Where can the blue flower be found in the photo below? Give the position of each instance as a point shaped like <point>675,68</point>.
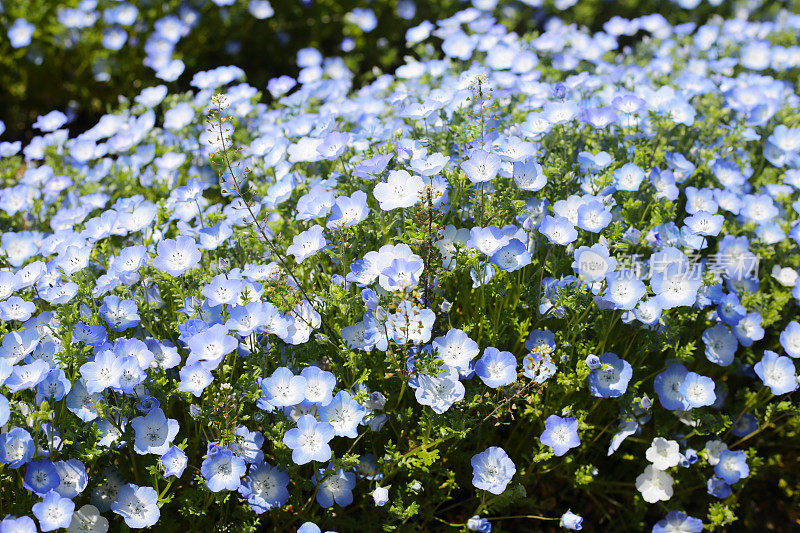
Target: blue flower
<point>280,85</point>
<point>334,145</point>
<point>52,120</point>
<point>748,329</point>
<point>41,477</point>
<point>721,345</point>
<point>593,216</point>
<point>5,410</point>
<point>399,191</point>
<point>307,243</point>
<point>154,432</point>
<point>20,34</point>
<point>492,470</point>
<point>381,496</point>
<point>628,177</point>
<point>570,520</point>
<point>675,286</point>
<point>496,368</point>
<point>264,487</point>
<point>402,274</point>
<point>23,524</point>
<point>512,256</point>
<point>776,372</point>
<point>245,319</point>
<point>441,391</point>
<point>174,462</point>
<point>456,349</point>
<point>611,379</point>
<point>790,339</point>
<point>558,230</point>
<point>529,175</point>
<point>176,256</point>
<point>309,440</point>
<point>137,505</point>
<point>223,289</point>
<point>649,312</point>
<point>16,447</point>
<point>664,183</point>
<point>697,390</point>
<point>369,169</point>
<point>593,263</point>
<point>782,146</point>
<point>209,347</point>
<point>119,314</point>
<point>15,308</point>
<point>705,223</point>
<point>93,335</point>
<point>347,211</point>
<point>732,466</point>
<point>668,387</point>
<point>487,240</point>
<point>628,104</point>
<point>53,512</point>
<point>481,166</point>
<point>689,458</point>
<point>410,324</point>
<point>744,425</point>
<point>319,384</point>
<point>74,478</point>
<point>482,525</point>
<point>538,366</point>
<point>758,208</point>
<point>131,374</point>
<point>309,527</point>
<point>718,488</point>
<point>283,388</point>
<point>223,470</point>
<point>102,373</point>
<point>27,376</point>
<point>335,487</point>
<point>561,112</point>
<point>81,402</point>
<point>560,434</point>
<point>678,521</point>
<point>624,289</point>
<point>194,379</point>
<point>344,414</point>
<point>364,18</point>
<point>458,45</point>
<point>17,344</point>
<point>600,117</point>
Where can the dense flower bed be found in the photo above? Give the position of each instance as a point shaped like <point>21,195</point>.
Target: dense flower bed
<point>524,282</point>
<point>101,50</point>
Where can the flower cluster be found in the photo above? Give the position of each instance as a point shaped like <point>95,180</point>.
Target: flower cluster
<point>410,299</point>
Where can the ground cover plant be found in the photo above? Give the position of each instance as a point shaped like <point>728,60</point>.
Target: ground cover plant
<point>81,57</point>
<point>527,282</point>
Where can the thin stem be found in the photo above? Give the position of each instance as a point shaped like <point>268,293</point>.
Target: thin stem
<point>274,249</point>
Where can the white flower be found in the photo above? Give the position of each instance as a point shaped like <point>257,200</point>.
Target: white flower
<point>655,485</point>
<point>713,449</point>
<point>663,453</point>
<point>401,189</point>
<point>381,496</point>
<point>440,392</point>
<point>88,520</point>
<point>785,276</point>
